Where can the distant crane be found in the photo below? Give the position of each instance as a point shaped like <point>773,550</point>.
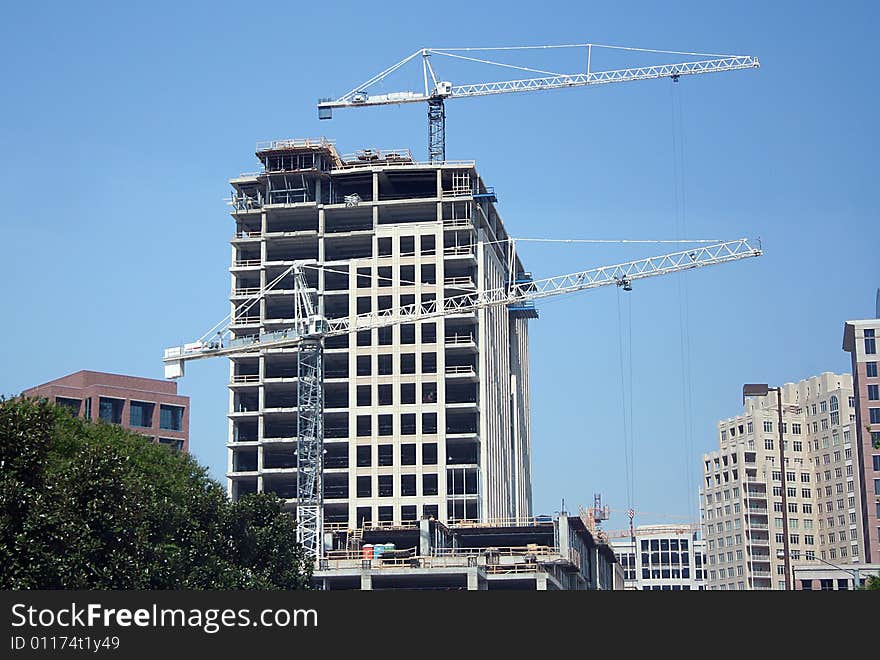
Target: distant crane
<point>310,328</point>
<point>436,91</point>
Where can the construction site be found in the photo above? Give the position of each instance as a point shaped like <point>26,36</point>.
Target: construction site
<point>378,346</point>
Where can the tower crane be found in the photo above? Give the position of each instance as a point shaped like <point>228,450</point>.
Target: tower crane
<point>436,91</point>
<point>310,328</point>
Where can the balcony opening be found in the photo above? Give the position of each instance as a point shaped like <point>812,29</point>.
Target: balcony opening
<point>407,185</point>
<point>348,220</point>
<point>244,460</point>
<point>351,189</point>
<point>292,220</point>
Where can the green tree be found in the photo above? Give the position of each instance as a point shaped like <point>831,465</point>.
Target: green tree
<point>88,505</point>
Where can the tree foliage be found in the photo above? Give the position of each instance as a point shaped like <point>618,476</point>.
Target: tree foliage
<point>88,505</point>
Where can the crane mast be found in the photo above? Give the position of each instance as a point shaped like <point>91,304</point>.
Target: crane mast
<point>437,91</point>
<point>311,328</point>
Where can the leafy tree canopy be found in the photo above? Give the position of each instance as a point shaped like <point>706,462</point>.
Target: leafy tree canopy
<point>87,505</point>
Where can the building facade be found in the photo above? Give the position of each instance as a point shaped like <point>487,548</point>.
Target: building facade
<point>427,419</point>
<point>664,558</point>
<point>742,508</point>
<point>860,341</point>
<point>147,406</point>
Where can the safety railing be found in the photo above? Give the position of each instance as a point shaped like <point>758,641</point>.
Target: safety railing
<point>246,378</point>
<point>403,163</point>
<point>246,263</point>
<point>248,234</point>
<point>460,370</point>
<point>459,251</point>
<point>458,339</point>
<point>246,291</point>
<point>269,145</point>
<point>456,223</point>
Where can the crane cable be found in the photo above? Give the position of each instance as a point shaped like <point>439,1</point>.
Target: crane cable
<point>626,400</point>
<point>679,229</point>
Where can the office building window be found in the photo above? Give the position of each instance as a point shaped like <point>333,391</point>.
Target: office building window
<point>407,485</point>
<point>364,487</point>
<point>141,414</point>
<point>873,392</point>
<point>110,410</point>
<point>874,415</point>
<point>408,454</point>
<point>171,417</point>
<point>408,424</point>
<point>386,486</point>
<point>174,443</point>
<point>871,369</point>
<point>386,454</point>
<point>870,345</point>
<point>364,456</point>
<point>429,484</point>
<point>72,405</point>
<point>429,453</point>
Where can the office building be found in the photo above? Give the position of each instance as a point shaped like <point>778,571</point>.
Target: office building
<point>742,508</point>
<point>147,406</point>
<point>663,558</point>
<point>860,340</point>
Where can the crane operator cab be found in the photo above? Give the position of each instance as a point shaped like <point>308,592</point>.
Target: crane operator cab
<point>317,327</point>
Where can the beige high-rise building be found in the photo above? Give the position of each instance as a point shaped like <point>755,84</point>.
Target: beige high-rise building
<point>426,419</point>
<point>741,496</point>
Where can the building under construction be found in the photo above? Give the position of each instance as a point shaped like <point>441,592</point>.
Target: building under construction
<point>529,554</point>
<point>421,420</point>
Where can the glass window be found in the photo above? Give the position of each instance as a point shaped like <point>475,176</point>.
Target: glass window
<point>408,424</point>
<point>407,246</point>
<point>429,274</point>
<point>175,443</point>
<point>429,453</point>
<point>429,423</point>
<point>871,369</point>
<point>171,417</point>
<point>386,486</point>
<point>429,484</point>
<point>110,410</point>
<point>68,404</point>
<point>407,485</point>
<point>873,392</point>
<point>384,247</point>
<point>141,414</point>
<point>364,456</point>
<point>408,454</point>
<point>364,487</point>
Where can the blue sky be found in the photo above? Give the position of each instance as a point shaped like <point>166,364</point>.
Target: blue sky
<point>121,125</point>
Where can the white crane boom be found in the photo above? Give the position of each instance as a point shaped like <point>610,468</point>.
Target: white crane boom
<point>436,90</point>
<point>309,330</point>
<point>522,292</point>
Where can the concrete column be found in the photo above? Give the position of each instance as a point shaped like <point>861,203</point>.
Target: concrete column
<point>541,582</point>
<point>562,533</point>
<point>473,580</point>
<point>366,581</point>
<point>424,537</point>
